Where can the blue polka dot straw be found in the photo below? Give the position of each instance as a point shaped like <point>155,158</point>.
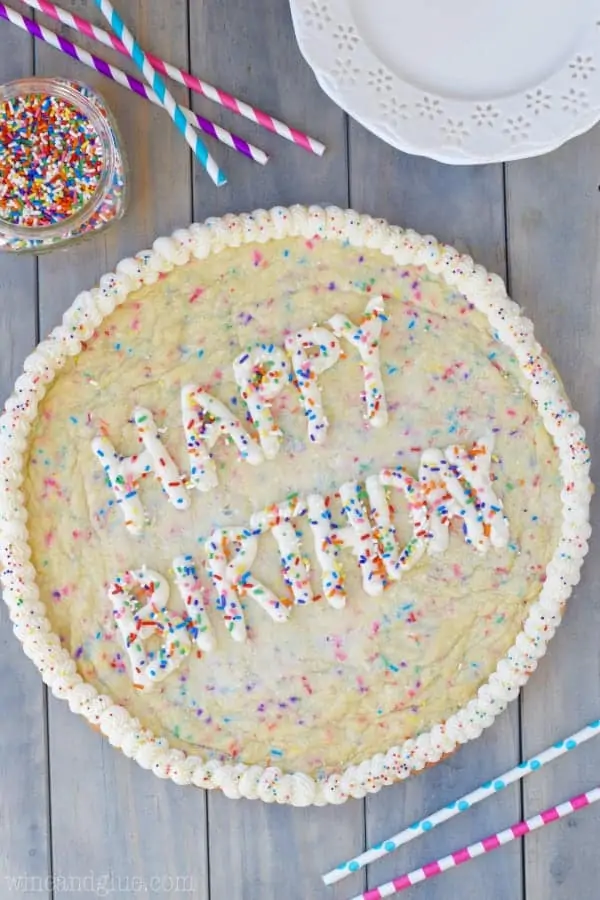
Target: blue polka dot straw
<point>463,803</point>
<point>485,845</point>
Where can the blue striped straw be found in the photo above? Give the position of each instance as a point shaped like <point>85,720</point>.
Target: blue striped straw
<point>463,803</point>
<point>160,89</point>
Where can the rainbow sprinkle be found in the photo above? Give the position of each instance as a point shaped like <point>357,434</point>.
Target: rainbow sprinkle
<point>51,160</point>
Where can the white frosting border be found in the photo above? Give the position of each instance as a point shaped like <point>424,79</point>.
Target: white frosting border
<point>27,612</point>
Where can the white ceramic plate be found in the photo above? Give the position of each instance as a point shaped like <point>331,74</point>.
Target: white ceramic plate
<point>461,81</point>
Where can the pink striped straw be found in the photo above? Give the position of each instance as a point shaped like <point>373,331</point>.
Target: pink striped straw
<point>191,81</point>
<point>436,867</point>
<point>133,84</point>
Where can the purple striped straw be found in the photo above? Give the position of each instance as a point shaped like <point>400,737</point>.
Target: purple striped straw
<point>240,107</point>
<point>129,81</point>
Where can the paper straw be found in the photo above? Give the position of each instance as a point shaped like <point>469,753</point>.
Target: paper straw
<point>486,845</point>
<point>191,81</point>
<point>159,87</point>
<point>128,81</point>
<point>465,802</point>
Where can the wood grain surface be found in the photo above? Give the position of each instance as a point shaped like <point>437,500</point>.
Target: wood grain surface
<point>24,788</point>
<point>77,818</point>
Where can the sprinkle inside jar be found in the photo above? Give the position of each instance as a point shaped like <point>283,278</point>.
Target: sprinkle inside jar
<point>51,160</point>
<point>62,169</point>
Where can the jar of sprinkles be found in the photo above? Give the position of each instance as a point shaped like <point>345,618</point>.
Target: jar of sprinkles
<point>62,165</point>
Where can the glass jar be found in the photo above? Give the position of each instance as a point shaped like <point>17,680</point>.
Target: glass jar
<point>62,165</point>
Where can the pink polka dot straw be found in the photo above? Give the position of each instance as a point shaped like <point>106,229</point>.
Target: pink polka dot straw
<point>486,845</point>
<point>463,803</point>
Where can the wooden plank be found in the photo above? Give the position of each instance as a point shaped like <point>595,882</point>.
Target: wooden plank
<point>464,207</point>
<point>272,852</point>
<point>276,852</point>
<point>256,58</point>
<point>24,833</point>
<point>554,223</point>
<point>159,159</point>
<point>114,824</point>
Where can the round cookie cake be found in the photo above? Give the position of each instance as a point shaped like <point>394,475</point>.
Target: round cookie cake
<point>291,504</point>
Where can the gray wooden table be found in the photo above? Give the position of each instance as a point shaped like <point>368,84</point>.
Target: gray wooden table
<point>78,819</point>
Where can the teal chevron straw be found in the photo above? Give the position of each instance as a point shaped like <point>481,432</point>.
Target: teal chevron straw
<point>463,803</point>
<point>157,84</point>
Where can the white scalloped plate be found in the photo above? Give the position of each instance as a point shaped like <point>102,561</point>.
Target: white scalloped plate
<point>460,81</point>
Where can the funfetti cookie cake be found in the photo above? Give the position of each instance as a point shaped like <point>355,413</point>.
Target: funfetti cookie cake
<point>291,504</point>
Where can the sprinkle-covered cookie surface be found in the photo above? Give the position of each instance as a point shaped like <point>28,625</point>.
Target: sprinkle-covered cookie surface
<point>329,674</point>
<point>291,504</point>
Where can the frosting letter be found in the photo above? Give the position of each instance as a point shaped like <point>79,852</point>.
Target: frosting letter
<point>458,483</point>
<point>360,536</point>
<point>365,337</point>
<point>230,554</point>
<point>139,600</point>
<point>195,596</point>
<point>384,530</point>
<point>417,508</point>
<point>327,540</point>
<point>357,536</point>
<point>124,472</point>
<point>307,367</point>
<point>205,419</point>
<point>277,519</point>
<point>261,374</point>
